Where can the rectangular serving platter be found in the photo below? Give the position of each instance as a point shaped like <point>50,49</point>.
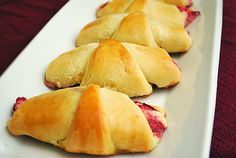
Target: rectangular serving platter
<point>190,105</point>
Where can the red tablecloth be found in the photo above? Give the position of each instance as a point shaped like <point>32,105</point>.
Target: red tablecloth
<point>20,21</point>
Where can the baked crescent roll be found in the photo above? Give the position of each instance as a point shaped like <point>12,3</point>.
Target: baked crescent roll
<point>136,28</point>
<point>155,10</point>
<point>123,67</point>
<point>90,120</point>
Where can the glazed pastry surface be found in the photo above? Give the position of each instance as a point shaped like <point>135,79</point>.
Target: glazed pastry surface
<point>124,67</point>
<point>137,28</point>
<point>86,120</point>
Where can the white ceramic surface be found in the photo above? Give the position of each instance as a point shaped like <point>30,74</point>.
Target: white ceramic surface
<point>190,105</point>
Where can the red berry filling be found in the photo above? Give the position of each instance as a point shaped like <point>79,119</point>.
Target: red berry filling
<point>191,15</point>
<point>18,103</point>
<point>153,118</point>
<point>143,106</point>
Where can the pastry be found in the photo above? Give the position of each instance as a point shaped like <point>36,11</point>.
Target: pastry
<point>90,120</point>
<point>180,15</point>
<point>155,10</point>
<point>119,66</point>
<point>136,28</point>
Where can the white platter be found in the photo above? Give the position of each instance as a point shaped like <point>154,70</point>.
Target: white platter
<point>190,105</point>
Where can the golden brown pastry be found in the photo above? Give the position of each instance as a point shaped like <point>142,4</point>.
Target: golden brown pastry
<point>90,120</point>
<point>112,66</point>
<point>123,67</point>
<point>155,10</point>
<point>136,28</point>
<point>156,64</point>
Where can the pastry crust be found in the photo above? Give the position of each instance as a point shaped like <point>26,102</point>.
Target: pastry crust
<point>112,66</point>
<point>155,10</point>
<point>119,66</point>
<point>69,68</point>
<point>139,33</point>
<point>85,120</point>
<point>137,28</point>
<point>89,132</point>
<point>157,66</point>
<point>92,31</point>
<point>46,117</point>
<point>115,6</point>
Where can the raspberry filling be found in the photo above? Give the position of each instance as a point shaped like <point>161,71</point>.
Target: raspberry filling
<point>18,103</point>
<point>153,118</point>
<point>191,15</point>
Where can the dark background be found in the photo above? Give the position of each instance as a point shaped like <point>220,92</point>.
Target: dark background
<point>21,20</point>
